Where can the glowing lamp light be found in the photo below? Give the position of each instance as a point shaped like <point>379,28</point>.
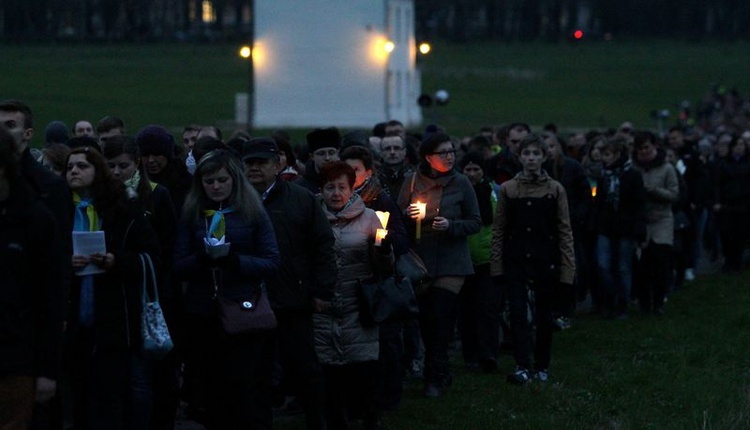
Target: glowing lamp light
<point>389,46</point>
<point>578,34</point>
<point>246,52</point>
<point>424,48</point>
<point>593,191</point>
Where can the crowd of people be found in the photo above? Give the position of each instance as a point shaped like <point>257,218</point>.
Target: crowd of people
<point>517,231</point>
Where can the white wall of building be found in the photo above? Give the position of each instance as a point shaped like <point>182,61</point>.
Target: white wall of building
<point>322,62</point>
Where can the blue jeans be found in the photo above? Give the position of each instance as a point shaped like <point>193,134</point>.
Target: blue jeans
<point>614,257</point>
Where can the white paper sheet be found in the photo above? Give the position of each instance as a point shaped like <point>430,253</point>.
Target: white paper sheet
<point>87,243</point>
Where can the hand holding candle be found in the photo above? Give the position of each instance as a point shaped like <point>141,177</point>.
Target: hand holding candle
<point>380,234</point>
<point>418,210</point>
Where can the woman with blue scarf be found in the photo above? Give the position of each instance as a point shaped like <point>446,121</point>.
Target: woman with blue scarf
<point>225,245</point>
<point>110,375</point>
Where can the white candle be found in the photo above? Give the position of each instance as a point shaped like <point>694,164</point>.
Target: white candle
<point>379,235</point>
<point>383,217</point>
<point>422,210</point>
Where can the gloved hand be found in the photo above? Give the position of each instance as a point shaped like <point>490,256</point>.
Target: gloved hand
<point>230,261</point>
<point>385,247</point>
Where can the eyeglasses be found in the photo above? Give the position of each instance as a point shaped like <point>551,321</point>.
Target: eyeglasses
<point>445,154</point>
<point>392,148</point>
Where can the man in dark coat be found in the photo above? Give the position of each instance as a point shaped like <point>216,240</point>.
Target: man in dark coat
<point>308,270</point>
<point>31,305</point>
<point>52,191</point>
<point>324,145</point>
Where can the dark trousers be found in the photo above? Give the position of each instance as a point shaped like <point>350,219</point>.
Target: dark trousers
<point>111,386</point>
<point>351,387</point>
<point>437,317</point>
<point>301,369</point>
<point>16,401</point>
<point>479,316</point>
<point>390,381</point>
<point>655,265</point>
<point>235,373</point>
<point>543,303</point>
<point>732,231</point>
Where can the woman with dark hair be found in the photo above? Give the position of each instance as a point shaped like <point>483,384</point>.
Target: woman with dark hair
<point>367,186</point>
<point>54,156</point>
<point>232,370</point>
<point>662,191</point>
<point>124,161</point>
<point>110,373</point>
<point>438,231</point>
<point>732,182</point>
<point>348,347</point>
<point>480,299</point>
<point>287,160</point>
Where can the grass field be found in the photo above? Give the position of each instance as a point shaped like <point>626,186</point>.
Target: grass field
<point>689,369</point>
<point>575,86</point>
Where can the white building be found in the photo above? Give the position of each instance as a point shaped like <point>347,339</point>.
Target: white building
<point>327,62</point>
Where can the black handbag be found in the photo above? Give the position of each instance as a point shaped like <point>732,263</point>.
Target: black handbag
<point>389,298</point>
<point>247,314</point>
<point>412,266</point>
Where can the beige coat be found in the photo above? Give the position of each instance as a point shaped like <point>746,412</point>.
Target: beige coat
<point>662,190</point>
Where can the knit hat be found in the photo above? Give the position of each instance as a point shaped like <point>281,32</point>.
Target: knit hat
<point>155,140</point>
<point>323,138</point>
<point>55,132</point>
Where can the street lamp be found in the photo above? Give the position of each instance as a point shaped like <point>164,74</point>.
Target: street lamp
<point>246,52</point>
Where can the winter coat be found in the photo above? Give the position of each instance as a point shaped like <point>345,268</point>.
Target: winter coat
<point>305,240</point>
<point>377,199</point>
<point>118,291</point>
<point>340,337</point>
<point>532,236</point>
<point>253,257</point>
<point>622,212</point>
<point>450,195</point>
<point>479,243</point>
<point>392,177</point>
<point>31,300</point>
<point>662,190</point>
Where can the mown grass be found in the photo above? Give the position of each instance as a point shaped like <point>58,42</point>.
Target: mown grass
<point>689,369</point>
<point>576,86</point>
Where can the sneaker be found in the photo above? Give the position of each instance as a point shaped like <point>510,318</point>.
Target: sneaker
<point>520,376</point>
<point>541,375</point>
<point>432,391</point>
<point>689,275</point>
<point>488,365</point>
<point>416,370</point>
<point>561,323</point>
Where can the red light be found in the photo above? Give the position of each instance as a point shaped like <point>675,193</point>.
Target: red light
<point>578,34</point>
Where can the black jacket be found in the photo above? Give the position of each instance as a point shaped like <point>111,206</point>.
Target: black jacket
<point>31,300</point>
<point>625,216</point>
<point>303,233</point>
<point>117,295</point>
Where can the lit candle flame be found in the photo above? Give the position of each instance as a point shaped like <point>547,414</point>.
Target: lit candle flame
<point>379,235</point>
<point>383,217</point>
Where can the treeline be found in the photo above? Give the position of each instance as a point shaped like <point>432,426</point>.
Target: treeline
<point>455,20</point>
<point>555,20</point>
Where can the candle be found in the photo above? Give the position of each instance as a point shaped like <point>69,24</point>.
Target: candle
<point>383,217</point>
<point>593,191</point>
<point>422,213</point>
<point>379,235</point>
